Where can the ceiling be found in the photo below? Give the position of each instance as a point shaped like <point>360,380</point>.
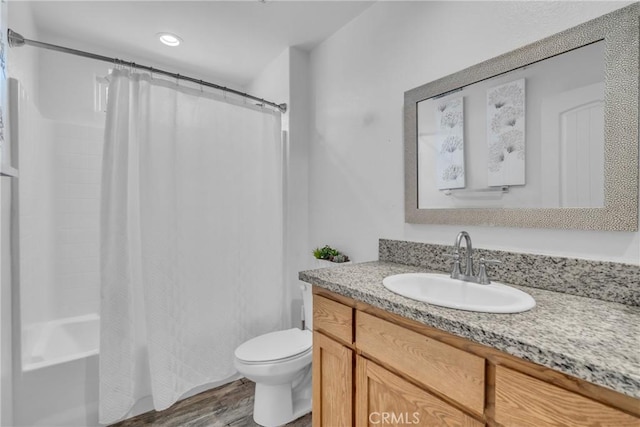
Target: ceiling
<point>231,41</point>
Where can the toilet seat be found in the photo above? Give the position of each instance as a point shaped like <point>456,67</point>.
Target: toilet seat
<point>279,363</point>
<point>275,346</point>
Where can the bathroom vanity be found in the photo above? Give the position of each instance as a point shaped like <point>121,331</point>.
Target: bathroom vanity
<point>382,359</point>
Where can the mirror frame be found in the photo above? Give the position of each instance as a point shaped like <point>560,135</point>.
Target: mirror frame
<point>620,32</point>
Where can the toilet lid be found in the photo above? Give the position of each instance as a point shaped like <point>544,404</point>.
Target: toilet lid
<point>275,346</point>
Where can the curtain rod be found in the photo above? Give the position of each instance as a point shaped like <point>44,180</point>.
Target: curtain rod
<point>16,40</point>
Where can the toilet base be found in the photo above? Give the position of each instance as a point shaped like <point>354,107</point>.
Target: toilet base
<point>275,405</point>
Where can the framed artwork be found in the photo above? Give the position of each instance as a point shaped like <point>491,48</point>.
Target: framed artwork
<point>450,143</point>
<point>505,134</point>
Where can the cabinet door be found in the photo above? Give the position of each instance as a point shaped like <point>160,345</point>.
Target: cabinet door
<point>332,383</point>
<point>447,370</point>
<point>383,398</point>
<point>525,401</point>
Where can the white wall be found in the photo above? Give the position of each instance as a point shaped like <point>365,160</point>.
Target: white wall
<point>22,64</point>
<point>285,79</point>
<point>299,255</point>
<point>66,83</point>
<point>358,79</point>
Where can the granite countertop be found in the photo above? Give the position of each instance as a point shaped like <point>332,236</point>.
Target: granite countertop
<point>595,340</point>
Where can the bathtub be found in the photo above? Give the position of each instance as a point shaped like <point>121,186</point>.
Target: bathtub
<point>60,341</point>
<point>57,384</point>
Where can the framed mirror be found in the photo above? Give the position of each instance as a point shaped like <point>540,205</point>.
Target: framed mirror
<point>545,136</point>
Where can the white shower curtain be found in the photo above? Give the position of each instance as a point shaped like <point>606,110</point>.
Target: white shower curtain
<point>191,239</point>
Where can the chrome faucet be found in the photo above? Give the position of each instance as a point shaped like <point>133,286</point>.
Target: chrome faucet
<point>468,267</point>
<point>469,275</point>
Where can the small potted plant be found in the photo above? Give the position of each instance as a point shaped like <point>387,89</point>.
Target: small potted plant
<point>329,257</point>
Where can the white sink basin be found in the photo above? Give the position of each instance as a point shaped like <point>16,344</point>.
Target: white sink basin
<point>440,289</point>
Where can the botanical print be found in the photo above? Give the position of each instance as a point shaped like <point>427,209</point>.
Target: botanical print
<point>450,143</point>
<point>505,133</point>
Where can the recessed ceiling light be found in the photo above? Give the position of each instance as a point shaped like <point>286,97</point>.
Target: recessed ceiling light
<point>169,39</point>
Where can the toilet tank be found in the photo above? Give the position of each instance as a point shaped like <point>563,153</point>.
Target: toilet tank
<point>307,305</point>
<point>307,298</point>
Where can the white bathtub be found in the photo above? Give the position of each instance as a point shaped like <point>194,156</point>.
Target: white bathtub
<point>58,382</point>
<point>60,341</point>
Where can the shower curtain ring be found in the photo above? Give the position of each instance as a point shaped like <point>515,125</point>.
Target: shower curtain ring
<point>201,89</point>
<point>178,79</point>
<point>151,72</point>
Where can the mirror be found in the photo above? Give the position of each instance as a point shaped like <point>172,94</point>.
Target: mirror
<point>537,161</point>
<point>545,136</point>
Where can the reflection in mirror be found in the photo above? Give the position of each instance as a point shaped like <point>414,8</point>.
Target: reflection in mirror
<point>562,151</point>
<point>557,181</point>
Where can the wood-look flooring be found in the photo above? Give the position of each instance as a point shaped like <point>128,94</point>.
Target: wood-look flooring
<point>229,405</point>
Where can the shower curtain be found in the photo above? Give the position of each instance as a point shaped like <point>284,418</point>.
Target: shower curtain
<point>191,239</point>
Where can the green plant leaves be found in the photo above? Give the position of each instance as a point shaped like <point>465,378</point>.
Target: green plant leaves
<point>330,254</point>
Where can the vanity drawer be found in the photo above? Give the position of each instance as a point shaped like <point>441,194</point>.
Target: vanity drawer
<point>333,318</point>
<point>447,370</point>
<point>526,401</point>
<point>380,393</point>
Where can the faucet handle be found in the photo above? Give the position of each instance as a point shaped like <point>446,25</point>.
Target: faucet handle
<point>455,270</point>
<point>483,277</point>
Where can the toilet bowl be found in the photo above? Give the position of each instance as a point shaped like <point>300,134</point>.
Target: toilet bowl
<point>280,365</point>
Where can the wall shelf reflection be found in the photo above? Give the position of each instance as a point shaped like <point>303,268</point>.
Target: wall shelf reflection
<point>477,192</point>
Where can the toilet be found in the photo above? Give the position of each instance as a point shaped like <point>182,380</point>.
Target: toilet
<point>280,365</point>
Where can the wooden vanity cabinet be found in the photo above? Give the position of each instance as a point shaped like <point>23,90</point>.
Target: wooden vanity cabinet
<point>374,368</point>
<point>332,363</point>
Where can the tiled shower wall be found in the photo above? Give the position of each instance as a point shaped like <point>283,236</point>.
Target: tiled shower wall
<point>60,166</point>
<point>76,199</point>
<point>35,215</point>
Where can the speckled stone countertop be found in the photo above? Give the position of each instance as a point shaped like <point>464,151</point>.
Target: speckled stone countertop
<point>595,340</point>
